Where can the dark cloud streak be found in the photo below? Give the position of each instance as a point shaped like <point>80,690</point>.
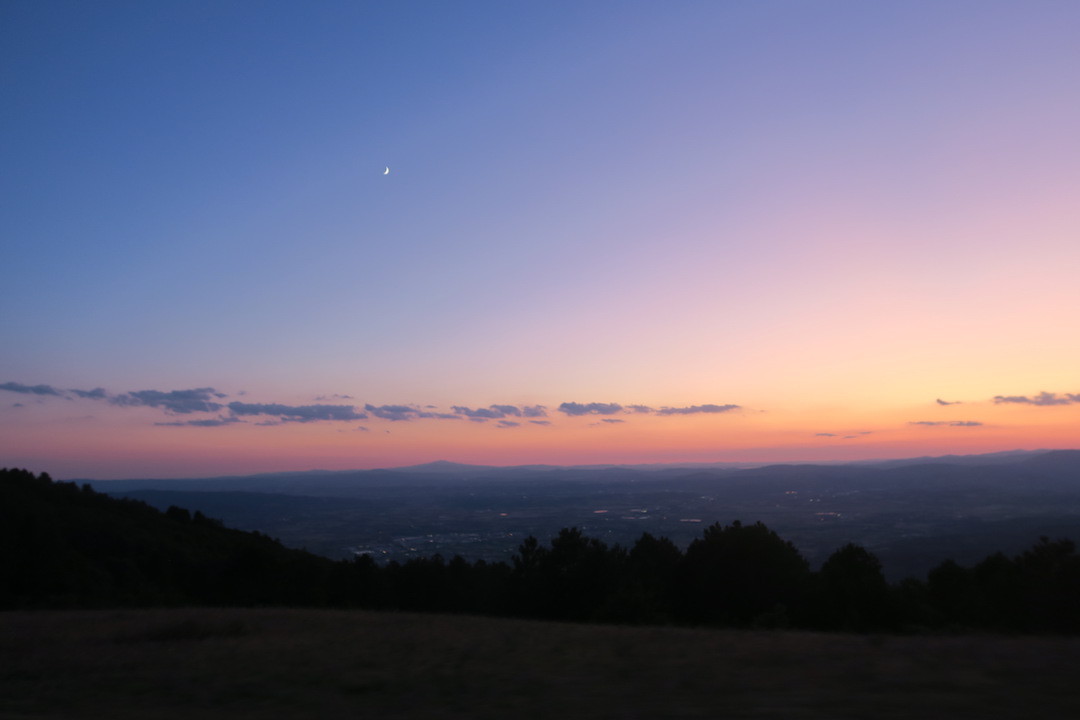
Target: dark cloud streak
<point>31,389</point>
<point>696,409</point>
<point>298,413</point>
<point>574,409</point>
<point>946,423</point>
<point>394,413</point>
<point>95,394</point>
<point>213,422</point>
<point>180,402</point>
<point>495,412</point>
<point>1043,399</point>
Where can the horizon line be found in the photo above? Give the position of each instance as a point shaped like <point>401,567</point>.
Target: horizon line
<point>720,464</point>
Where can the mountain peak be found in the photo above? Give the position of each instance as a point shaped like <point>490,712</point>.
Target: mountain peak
<point>440,466</point>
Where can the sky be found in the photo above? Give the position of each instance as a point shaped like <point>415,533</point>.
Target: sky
<point>611,232</point>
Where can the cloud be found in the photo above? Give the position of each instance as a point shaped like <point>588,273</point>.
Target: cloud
<point>396,413</point>
<point>95,394</point>
<point>31,389</point>
<point>213,422</point>
<point>507,424</point>
<point>824,434</point>
<point>17,405</point>
<point>495,412</point>
<point>1042,399</point>
<point>405,413</point>
<point>695,409</point>
<point>947,423</point>
<point>207,400</point>
<point>939,401</point>
<point>298,413</point>
<point>612,420</point>
<point>491,413</point>
<point>174,401</point>
<point>576,409</point>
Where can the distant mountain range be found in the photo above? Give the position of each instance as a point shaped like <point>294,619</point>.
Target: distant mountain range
<point>320,481</point>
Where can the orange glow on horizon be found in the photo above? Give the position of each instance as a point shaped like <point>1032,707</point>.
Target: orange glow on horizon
<point>127,447</point>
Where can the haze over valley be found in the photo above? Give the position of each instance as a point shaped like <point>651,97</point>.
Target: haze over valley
<point>912,514</point>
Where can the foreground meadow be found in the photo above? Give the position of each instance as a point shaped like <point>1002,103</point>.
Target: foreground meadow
<point>280,663</point>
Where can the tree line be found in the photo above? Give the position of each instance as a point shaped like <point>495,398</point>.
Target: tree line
<point>62,545</point>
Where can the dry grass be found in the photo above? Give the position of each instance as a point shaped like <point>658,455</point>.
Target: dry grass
<point>209,664</point>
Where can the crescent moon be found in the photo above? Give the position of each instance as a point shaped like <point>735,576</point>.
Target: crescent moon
<point>386,172</point>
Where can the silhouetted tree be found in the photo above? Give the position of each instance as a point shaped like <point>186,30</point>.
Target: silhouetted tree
<point>953,595</point>
<point>998,594</point>
<point>736,574</point>
<point>648,583</point>
<point>851,591</point>
<point>178,513</point>
<point>1049,574</point>
<point>528,592</point>
<point>578,575</point>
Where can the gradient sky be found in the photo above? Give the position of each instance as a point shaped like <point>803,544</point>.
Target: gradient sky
<point>612,232</point>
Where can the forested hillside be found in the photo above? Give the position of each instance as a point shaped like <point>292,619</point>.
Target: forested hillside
<point>62,545</point>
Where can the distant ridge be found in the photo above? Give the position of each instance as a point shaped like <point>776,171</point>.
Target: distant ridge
<point>994,458</point>
<point>440,471</point>
<point>445,466</point>
<point>1001,457</point>
<point>1055,461</point>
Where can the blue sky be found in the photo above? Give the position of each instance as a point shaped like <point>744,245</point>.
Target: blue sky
<point>787,206</point>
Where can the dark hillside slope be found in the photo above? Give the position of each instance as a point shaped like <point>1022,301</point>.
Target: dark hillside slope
<point>62,545</point>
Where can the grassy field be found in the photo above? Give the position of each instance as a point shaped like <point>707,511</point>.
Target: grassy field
<point>205,664</point>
